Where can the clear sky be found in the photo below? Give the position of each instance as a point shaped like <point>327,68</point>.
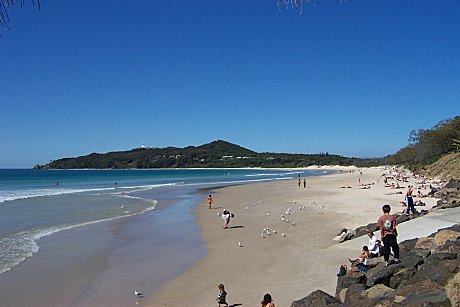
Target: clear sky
<point>345,77</point>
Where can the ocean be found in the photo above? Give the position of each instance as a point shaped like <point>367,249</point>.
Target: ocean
<point>39,203</point>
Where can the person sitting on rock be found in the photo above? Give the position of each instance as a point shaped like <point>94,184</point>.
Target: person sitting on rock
<point>362,260</point>
<point>374,250</point>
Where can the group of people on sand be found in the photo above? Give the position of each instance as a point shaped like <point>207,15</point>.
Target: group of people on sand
<point>388,233</point>
<point>226,215</point>
<point>222,298</point>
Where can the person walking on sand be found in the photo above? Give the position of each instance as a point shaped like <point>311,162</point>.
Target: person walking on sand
<point>267,301</point>
<point>388,233</point>
<point>299,183</point>
<point>304,183</point>
<point>222,296</point>
<point>410,200</point>
<point>210,201</point>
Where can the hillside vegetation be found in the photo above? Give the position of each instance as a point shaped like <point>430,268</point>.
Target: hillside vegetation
<point>446,168</point>
<point>427,146</point>
<point>217,154</point>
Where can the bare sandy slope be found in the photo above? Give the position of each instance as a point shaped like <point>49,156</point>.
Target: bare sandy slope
<point>287,267</point>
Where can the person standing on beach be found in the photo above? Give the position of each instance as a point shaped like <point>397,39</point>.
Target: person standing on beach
<point>210,201</point>
<point>304,183</point>
<point>267,301</point>
<point>222,296</point>
<point>410,200</point>
<point>388,233</point>
<point>299,183</point>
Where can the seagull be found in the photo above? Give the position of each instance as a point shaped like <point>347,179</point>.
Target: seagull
<point>246,208</point>
<point>283,234</point>
<point>300,208</point>
<point>274,231</point>
<point>287,221</point>
<point>282,215</point>
<point>239,244</point>
<point>218,213</point>
<point>260,201</point>
<point>268,213</point>
<point>295,202</point>
<point>322,206</point>
<point>263,236</point>
<point>293,223</point>
<point>282,219</point>
<point>122,206</point>
<point>138,294</point>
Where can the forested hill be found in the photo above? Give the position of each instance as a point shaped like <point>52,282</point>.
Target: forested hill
<point>215,154</point>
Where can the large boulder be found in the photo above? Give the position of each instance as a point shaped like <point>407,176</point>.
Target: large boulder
<point>445,235</point>
<point>425,243</point>
<point>453,184</point>
<point>400,277</point>
<point>402,218</point>
<point>421,294</point>
<point>317,298</point>
<point>378,291</point>
<point>411,260</point>
<point>438,272</point>
<point>407,246</point>
<point>381,275</point>
<point>350,279</point>
<point>352,293</point>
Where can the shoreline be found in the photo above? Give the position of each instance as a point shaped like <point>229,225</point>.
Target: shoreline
<point>287,267</point>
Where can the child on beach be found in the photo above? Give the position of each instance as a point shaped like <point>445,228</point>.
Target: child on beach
<point>362,259</point>
<point>388,233</point>
<point>267,301</point>
<point>222,296</point>
<point>209,201</point>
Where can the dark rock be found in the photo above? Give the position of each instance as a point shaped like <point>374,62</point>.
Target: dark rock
<point>353,292</point>
<point>373,227</point>
<point>361,231</point>
<point>411,260</point>
<point>436,271</point>
<point>350,279</point>
<point>453,184</point>
<point>441,257</point>
<point>402,218</point>
<point>373,262</point>
<point>381,275</point>
<point>424,253</point>
<point>423,293</point>
<point>401,276</point>
<point>407,246</point>
<point>317,298</point>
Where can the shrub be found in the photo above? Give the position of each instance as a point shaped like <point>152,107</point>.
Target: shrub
<point>453,290</point>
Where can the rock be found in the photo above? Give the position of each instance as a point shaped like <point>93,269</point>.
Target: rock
<point>425,243</point>
<point>438,272</point>
<point>441,257</point>
<point>411,260</point>
<point>346,236</point>
<point>401,276</point>
<point>373,262</point>
<point>424,293</point>
<point>451,247</point>
<point>377,291</point>
<point>361,231</point>
<point>407,246</point>
<point>317,298</point>
<point>350,279</point>
<point>344,230</point>
<point>453,184</point>
<point>424,253</point>
<point>381,275</point>
<point>445,235</point>
<point>353,292</point>
<point>372,227</point>
<point>402,218</point>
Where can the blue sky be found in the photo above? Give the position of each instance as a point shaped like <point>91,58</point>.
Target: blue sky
<point>351,78</point>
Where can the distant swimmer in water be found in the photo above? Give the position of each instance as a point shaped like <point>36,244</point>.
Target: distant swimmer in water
<point>57,182</point>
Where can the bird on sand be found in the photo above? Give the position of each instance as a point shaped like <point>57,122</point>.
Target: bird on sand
<point>138,294</point>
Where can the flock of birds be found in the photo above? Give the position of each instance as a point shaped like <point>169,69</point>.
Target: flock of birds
<point>266,232</point>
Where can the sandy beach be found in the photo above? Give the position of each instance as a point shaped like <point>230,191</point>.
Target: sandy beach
<point>288,267</point>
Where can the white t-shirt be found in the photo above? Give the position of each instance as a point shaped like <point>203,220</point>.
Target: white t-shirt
<point>373,247</point>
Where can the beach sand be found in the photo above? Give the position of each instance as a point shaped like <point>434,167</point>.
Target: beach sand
<point>289,267</point>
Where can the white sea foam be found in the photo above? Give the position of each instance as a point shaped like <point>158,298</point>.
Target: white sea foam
<point>23,194</point>
<point>18,247</point>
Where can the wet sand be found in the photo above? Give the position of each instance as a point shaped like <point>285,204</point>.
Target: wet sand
<point>287,267</point>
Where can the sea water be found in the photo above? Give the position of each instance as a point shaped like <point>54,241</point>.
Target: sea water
<point>38,203</point>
